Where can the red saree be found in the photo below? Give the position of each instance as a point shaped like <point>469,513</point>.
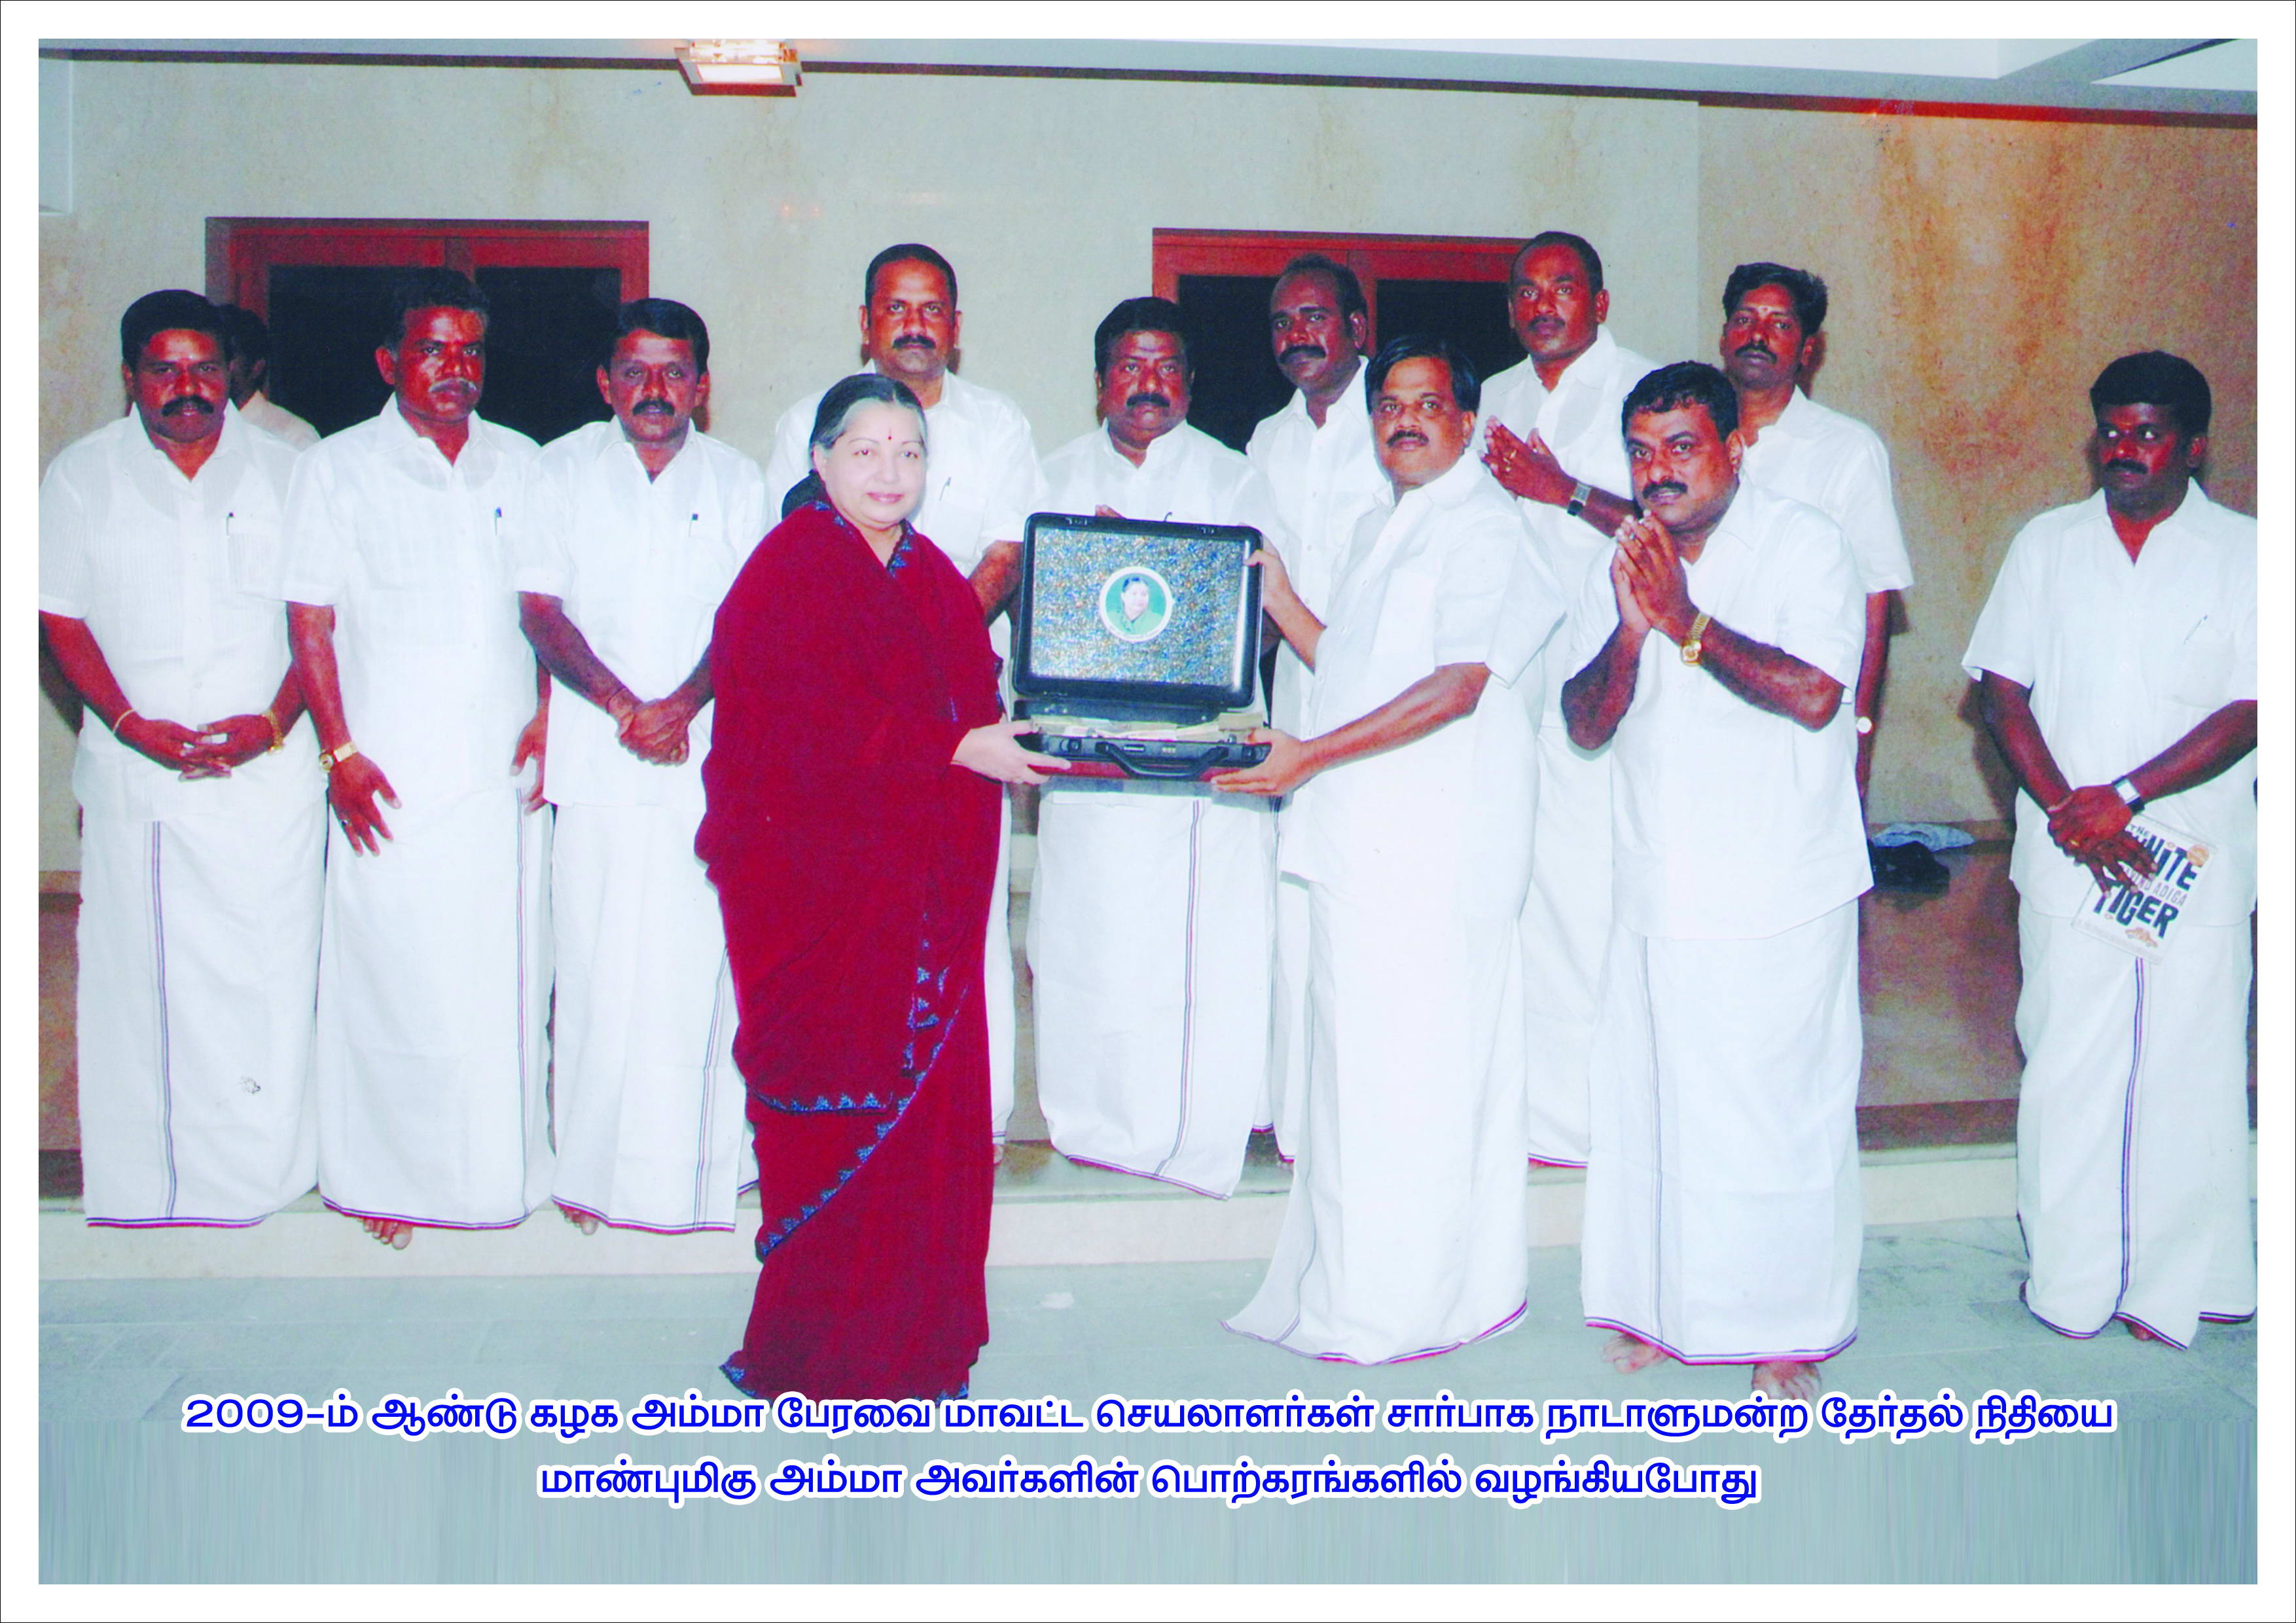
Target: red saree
<point>853,866</point>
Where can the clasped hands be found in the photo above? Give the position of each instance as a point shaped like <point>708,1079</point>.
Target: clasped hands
<point>1526,467</point>
<point>1652,588</point>
<point>2091,826</point>
<point>210,752</point>
<point>653,730</point>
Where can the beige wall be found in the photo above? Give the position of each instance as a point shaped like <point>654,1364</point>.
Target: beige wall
<point>1045,192</point>
<point>1982,272</point>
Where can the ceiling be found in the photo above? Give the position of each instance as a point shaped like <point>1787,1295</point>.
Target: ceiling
<point>2172,76</point>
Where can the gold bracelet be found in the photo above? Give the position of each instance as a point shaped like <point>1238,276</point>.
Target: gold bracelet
<point>1694,644</point>
<point>116,722</point>
<point>278,737</point>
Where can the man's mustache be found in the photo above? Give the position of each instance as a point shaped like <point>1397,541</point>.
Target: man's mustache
<point>1758,347</point>
<point>187,403</point>
<point>2121,464</point>
<point>915,341</point>
<point>660,408</point>
<point>1147,397</point>
<point>1665,487</point>
<point>1406,436</point>
<point>1300,352</point>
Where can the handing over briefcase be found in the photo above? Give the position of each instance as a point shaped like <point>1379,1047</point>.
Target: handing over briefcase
<point>1136,646</point>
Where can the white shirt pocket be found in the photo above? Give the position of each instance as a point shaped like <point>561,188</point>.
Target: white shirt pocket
<point>2200,674</point>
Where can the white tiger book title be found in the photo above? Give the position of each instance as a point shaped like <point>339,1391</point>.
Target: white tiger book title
<point>2141,918</point>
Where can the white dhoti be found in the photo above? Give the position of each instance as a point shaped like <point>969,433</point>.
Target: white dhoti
<point>1723,1214</point>
<point>1566,930</point>
<point>2132,1130</point>
<point>1284,1097</point>
<point>434,978</point>
<point>649,1110</point>
<point>997,979</point>
<point>198,956</point>
<point>1149,932</point>
<point>1405,1235</point>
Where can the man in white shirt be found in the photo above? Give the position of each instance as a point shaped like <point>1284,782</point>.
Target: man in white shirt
<point>1723,1220</point>
<point>1413,782</point>
<point>1552,441</point>
<point>434,975</point>
<point>983,487</point>
<point>2117,660</point>
<point>633,530</point>
<point>250,373</point>
<point>1770,319</point>
<point>200,839</point>
<point>1316,456</point>
<point>1151,919</point>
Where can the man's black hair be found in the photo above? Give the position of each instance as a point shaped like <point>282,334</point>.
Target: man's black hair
<point>666,319</point>
<point>895,255</point>
<point>1343,282</point>
<point>1588,259</point>
<point>1139,315</point>
<point>432,288</point>
<point>1466,387</point>
<point>1807,291</point>
<point>250,339</point>
<point>169,310</point>
<point>1676,387</point>
<point>2156,378</point>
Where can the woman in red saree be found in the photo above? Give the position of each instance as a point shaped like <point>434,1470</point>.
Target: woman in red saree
<point>851,833</point>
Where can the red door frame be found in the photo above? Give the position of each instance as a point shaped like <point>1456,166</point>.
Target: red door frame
<point>1178,253</point>
<point>242,251</point>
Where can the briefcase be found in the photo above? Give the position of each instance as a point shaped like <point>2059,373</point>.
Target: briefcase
<point>1136,646</point>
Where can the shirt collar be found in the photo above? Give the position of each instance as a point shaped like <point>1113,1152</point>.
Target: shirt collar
<point>1454,484</point>
<point>477,455</point>
<point>230,441</point>
<point>1591,365</point>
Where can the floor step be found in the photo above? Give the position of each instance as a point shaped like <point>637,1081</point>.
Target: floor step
<point>1048,1211</point>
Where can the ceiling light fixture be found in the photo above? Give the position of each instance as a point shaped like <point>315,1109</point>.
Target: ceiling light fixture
<point>739,67</point>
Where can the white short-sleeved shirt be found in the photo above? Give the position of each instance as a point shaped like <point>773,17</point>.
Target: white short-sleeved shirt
<point>1729,823</point>
<point>277,420</point>
<point>1578,419</point>
<point>1186,476</point>
<point>1815,455</point>
<point>2123,659</point>
<point>980,468</point>
<point>413,553</point>
<point>1447,575</point>
<point>1323,477</point>
<point>172,576</point>
<point>641,565</point>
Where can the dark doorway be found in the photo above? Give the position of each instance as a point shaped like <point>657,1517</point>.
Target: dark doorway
<point>323,286</point>
<point>1236,382</point>
<point>1472,314</point>
<point>1452,287</point>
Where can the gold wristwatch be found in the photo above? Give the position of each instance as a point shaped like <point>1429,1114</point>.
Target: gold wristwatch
<point>328,760</point>
<point>1696,644</point>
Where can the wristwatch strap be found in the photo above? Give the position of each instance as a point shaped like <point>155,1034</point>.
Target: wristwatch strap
<point>1694,644</point>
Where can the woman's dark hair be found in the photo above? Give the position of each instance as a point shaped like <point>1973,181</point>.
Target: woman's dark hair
<point>838,402</point>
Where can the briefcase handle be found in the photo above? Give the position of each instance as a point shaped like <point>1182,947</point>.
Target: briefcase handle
<point>1138,762</point>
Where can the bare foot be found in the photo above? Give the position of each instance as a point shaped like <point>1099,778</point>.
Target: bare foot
<point>1627,1353</point>
<point>582,1220</point>
<point>1788,1381</point>
<point>389,1232</point>
<point>2140,1332</point>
